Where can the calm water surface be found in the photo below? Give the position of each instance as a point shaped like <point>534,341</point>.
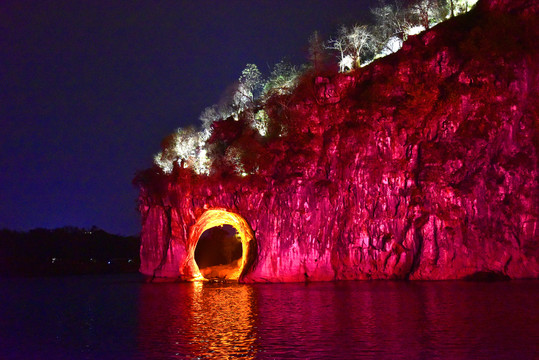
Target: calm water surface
<point>120,317</point>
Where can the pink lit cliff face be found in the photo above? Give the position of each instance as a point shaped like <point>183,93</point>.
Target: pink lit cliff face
<point>422,165</point>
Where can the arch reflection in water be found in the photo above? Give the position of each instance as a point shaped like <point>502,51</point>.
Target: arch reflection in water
<point>199,320</point>
<point>341,320</point>
<point>225,320</point>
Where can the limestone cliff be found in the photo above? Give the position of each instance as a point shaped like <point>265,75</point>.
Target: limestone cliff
<point>422,165</point>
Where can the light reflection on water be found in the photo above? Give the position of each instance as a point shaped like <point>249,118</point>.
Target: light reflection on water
<point>224,320</point>
<point>120,317</point>
<point>402,320</point>
<point>199,319</point>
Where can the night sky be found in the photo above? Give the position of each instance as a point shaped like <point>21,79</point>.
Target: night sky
<point>90,88</point>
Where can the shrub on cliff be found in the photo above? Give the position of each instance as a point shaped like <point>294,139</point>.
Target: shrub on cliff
<point>264,106</point>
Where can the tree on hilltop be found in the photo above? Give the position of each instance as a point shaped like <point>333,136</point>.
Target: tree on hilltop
<point>427,12</point>
<point>353,46</point>
<point>392,20</point>
<point>317,51</point>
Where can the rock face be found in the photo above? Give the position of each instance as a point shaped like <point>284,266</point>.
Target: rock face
<point>422,165</point>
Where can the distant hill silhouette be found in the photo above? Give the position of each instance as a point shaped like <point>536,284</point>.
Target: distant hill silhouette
<point>67,250</point>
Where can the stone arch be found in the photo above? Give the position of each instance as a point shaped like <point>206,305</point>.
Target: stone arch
<point>218,217</point>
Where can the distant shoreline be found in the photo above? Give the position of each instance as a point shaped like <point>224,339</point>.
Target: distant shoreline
<point>67,251</point>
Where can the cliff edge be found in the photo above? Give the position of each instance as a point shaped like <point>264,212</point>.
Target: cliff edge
<point>421,165</point>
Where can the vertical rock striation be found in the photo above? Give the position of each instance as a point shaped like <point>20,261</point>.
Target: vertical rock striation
<point>422,165</point>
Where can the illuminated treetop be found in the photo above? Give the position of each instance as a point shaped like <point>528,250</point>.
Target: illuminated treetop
<point>248,104</point>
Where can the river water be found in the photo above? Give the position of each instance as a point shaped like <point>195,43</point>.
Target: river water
<point>120,317</point>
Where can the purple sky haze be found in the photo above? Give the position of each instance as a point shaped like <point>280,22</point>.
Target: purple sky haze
<point>90,88</point>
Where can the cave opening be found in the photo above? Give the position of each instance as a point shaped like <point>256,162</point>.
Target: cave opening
<point>219,252</point>
<point>221,246</point>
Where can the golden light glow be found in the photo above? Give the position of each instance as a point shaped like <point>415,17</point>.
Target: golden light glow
<point>223,321</point>
<point>219,217</point>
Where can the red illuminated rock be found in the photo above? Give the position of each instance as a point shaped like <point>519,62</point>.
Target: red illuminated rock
<point>422,165</point>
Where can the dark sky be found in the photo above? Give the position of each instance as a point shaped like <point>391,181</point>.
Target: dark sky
<point>88,89</point>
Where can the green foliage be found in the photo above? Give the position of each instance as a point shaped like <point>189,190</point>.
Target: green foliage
<point>282,80</point>
<point>250,84</point>
<point>261,108</point>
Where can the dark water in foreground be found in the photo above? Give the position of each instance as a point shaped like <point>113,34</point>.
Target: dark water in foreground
<point>119,317</point>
